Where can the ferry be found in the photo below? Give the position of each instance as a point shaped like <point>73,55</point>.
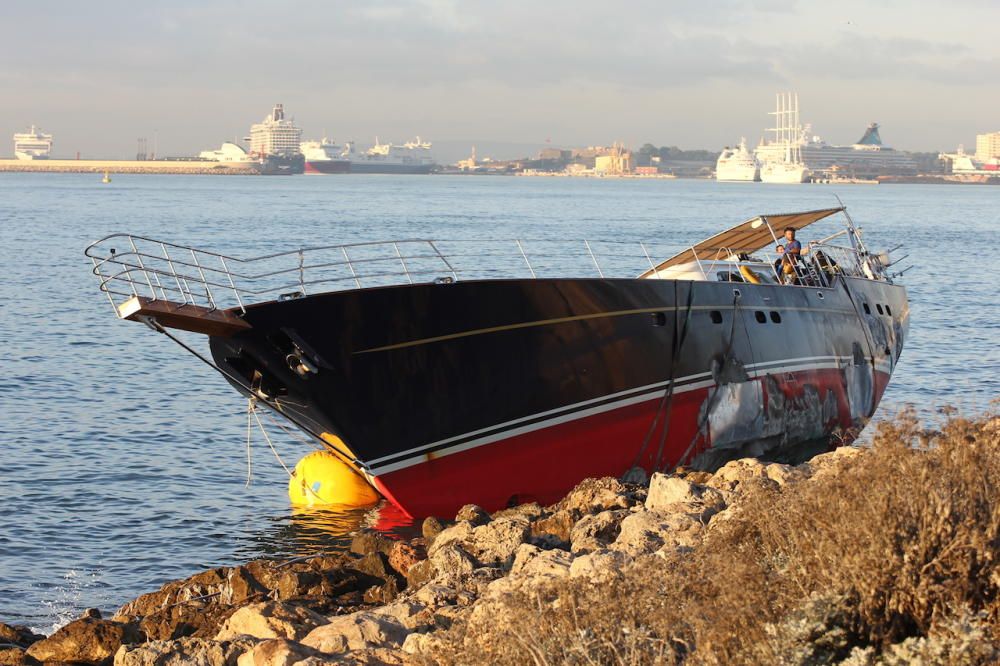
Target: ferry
<point>413,157</point>
<point>324,156</point>
<point>32,145</point>
<point>496,372</point>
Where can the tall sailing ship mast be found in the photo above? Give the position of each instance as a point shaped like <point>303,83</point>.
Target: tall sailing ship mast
<point>788,134</point>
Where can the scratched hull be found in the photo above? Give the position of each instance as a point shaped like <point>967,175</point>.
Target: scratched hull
<point>496,392</point>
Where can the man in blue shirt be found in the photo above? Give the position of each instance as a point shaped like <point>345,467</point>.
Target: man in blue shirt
<point>790,253</point>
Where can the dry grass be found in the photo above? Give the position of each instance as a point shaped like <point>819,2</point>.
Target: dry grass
<point>895,556</point>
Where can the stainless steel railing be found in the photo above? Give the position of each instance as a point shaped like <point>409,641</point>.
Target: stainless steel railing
<point>130,265</point>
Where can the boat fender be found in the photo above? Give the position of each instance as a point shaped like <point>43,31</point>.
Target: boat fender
<point>322,478</point>
<point>749,275</point>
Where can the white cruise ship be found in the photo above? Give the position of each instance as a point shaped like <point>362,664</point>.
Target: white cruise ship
<point>737,164</point>
<point>783,162</point>
<point>32,145</point>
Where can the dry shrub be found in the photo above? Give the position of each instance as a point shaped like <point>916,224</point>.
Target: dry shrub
<point>899,545</point>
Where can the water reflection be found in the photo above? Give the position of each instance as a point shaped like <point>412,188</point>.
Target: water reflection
<point>308,530</point>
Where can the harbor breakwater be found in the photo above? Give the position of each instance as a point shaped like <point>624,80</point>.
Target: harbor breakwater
<point>882,555</point>
<point>191,167</point>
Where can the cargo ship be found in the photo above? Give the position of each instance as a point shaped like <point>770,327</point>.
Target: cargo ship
<point>498,372</point>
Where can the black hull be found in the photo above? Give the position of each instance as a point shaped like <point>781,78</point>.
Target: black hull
<point>499,391</point>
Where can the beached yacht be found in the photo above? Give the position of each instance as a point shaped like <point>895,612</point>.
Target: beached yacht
<point>496,372</point>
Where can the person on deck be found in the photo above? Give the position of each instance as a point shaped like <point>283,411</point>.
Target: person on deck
<point>790,254</point>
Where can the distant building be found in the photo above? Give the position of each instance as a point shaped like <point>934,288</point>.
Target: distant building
<point>988,146</point>
<point>614,161</point>
<point>553,154</point>
<point>275,135</point>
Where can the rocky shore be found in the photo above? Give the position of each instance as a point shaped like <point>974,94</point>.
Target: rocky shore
<point>887,555</point>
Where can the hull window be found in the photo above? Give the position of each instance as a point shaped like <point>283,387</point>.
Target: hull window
<point>775,317</point>
<point>760,316</point>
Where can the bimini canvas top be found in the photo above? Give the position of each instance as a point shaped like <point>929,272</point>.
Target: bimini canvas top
<point>750,236</point>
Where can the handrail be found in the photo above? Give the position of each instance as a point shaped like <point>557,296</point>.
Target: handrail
<point>184,275</point>
<point>161,270</point>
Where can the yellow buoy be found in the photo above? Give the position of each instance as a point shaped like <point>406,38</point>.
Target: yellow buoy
<point>323,478</point>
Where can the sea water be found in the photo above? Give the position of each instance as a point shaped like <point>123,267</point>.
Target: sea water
<point>123,459</point>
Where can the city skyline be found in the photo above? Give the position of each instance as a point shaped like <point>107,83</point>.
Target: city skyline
<point>563,73</point>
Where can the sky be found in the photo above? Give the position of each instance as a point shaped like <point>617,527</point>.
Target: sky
<point>512,75</point>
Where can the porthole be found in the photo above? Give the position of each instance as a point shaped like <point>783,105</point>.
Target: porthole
<point>868,310</point>
<point>659,319</point>
<point>716,316</point>
<point>761,317</point>
<point>820,294</point>
<point>775,317</point>
<point>888,311</point>
<point>878,306</point>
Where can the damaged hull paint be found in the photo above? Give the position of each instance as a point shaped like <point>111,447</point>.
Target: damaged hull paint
<point>495,392</point>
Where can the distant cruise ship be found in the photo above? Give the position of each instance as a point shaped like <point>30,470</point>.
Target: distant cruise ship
<point>32,145</point>
<point>737,164</point>
<point>275,142</point>
<point>868,157</point>
<point>411,157</point>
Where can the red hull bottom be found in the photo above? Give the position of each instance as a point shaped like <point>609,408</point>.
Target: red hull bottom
<point>545,463</point>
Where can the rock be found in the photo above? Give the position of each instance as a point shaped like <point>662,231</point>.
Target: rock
<point>430,528</point>
<point>403,555</point>
<point>829,463</point>
<point>494,544</point>
<point>366,657</point>
<point>18,635</point>
<point>670,493</point>
<point>382,594</point>
<point>88,640</point>
<point>531,511</point>
<point>94,613</point>
<point>600,566</point>
<point>594,532</point>
<point>557,526</point>
<point>277,652</point>
<point>187,651</point>
<point>457,533</point>
<point>376,565</point>
<point>734,473</point>
<point>472,514</point>
<point>270,619</point>
<point>452,561</point>
<point>645,532</point>
<point>435,595</point>
<point>426,644</point>
<point>533,561</point>
<point>419,574</point>
<point>357,631</point>
<point>368,541</point>
<point>596,495</point>
<point>15,656</point>
<point>780,474</point>
<point>410,614</point>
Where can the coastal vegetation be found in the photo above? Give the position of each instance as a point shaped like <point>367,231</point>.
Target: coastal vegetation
<point>888,554</point>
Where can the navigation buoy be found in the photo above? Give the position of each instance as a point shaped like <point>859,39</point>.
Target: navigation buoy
<point>322,478</point>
